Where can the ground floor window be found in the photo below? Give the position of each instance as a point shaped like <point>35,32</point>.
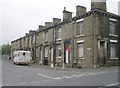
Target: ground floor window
<point>80,50</point>
<point>46,51</point>
<point>59,51</point>
<point>113,50</point>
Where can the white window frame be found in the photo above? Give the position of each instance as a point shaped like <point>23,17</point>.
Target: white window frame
<point>114,42</point>
<point>111,19</point>
<point>80,42</point>
<point>113,24</point>
<point>80,28</point>
<point>80,20</point>
<point>59,34</point>
<point>46,36</point>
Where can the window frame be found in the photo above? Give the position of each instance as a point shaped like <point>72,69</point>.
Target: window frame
<point>59,51</point>
<point>113,32</point>
<point>46,50</point>
<point>46,36</point>
<point>58,33</point>
<point>80,28</point>
<point>78,47</point>
<point>116,47</point>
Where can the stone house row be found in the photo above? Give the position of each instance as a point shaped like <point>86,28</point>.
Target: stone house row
<point>89,39</point>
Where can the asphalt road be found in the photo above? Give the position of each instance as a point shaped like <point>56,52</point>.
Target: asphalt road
<point>34,75</point>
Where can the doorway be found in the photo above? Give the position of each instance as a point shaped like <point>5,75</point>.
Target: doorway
<point>102,53</point>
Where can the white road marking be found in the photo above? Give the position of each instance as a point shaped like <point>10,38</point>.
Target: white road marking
<point>56,78</point>
<point>78,75</point>
<point>67,77</point>
<point>113,84</point>
<point>45,76</point>
<point>39,74</point>
<point>88,74</point>
<point>75,75</point>
<point>81,75</point>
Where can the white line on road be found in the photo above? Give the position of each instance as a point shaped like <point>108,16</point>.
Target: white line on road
<point>113,84</point>
<point>56,78</point>
<point>67,77</point>
<point>78,75</point>
<point>89,74</point>
<point>45,76</point>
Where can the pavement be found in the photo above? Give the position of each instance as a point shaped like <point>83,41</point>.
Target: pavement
<point>73,69</point>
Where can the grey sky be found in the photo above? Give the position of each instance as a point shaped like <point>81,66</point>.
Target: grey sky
<point>20,16</point>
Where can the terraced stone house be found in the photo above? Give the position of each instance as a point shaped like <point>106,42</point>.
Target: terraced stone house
<point>90,39</point>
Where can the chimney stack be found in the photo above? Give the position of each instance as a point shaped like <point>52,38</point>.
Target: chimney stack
<point>41,27</point>
<point>66,14</point>
<point>98,4</point>
<point>26,34</point>
<point>80,10</point>
<point>56,21</point>
<point>31,32</point>
<point>48,24</point>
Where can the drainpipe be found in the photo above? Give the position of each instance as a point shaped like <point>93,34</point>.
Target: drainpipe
<point>72,41</point>
<point>35,47</point>
<point>54,47</point>
<point>93,39</point>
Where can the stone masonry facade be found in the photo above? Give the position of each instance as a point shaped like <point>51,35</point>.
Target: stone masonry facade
<point>90,39</point>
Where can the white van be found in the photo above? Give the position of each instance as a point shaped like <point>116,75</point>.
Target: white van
<point>22,57</point>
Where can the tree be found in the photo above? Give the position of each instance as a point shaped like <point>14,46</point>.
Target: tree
<point>5,49</point>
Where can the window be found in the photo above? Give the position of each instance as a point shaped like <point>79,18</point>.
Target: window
<point>33,39</point>
<point>59,51</point>
<point>37,39</point>
<point>46,51</point>
<point>46,36</point>
<point>80,50</point>
<point>113,28</point>
<point>58,33</point>
<point>80,28</point>
<point>113,50</point>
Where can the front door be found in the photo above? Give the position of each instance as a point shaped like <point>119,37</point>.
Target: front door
<point>41,56</point>
<point>51,57</point>
<point>102,56</point>
<point>67,53</point>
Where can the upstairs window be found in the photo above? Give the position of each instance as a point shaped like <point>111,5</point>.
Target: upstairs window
<point>58,33</point>
<point>113,29</point>
<point>46,36</point>
<point>80,28</point>
<point>37,39</point>
<point>33,39</point>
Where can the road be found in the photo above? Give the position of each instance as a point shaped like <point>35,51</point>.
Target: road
<point>34,75</point>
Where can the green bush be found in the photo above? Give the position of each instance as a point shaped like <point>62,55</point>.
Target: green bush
<point>5,49</point>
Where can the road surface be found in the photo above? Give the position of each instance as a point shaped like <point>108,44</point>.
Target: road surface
<point>35,75</point>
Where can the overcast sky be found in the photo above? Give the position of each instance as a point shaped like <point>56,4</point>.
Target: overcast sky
<point>20,16</point>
